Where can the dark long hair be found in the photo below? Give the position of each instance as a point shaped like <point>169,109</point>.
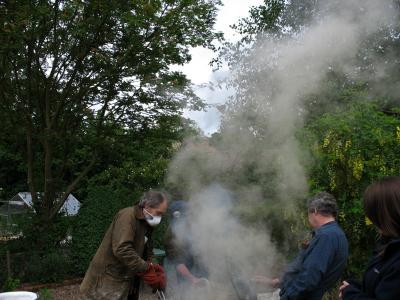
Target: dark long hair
<point>382,206</point>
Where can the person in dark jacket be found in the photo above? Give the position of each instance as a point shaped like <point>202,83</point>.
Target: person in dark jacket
<point>178,245</point>
<point>124,256</point>
<point>320,263</point>
<point>381,279</point>
<point>184,268</point>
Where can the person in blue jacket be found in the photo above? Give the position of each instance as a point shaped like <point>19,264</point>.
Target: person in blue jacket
<point>381,279</point>
<point>320,263</point>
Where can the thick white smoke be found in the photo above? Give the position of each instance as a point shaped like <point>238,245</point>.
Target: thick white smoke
<point>260,134</point>
<point>230,252</point>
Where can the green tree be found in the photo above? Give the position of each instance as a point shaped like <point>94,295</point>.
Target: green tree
<point>73,71</point>
<point>138,159</point>
<point>376,61</point>
<point>350,149</point>
<point>12,162</point>
<point>247,116</point>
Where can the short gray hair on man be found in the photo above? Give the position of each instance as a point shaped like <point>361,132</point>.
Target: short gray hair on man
<point>324,204</point>
<point>152,199</point>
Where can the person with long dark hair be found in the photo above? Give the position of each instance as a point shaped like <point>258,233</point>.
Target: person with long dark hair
<point>381,279</point>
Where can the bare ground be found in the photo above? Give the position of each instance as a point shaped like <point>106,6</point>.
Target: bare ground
<point>70,292</point>
<point>65,292</point>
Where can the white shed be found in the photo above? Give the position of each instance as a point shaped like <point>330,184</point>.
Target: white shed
<point>70,208</point>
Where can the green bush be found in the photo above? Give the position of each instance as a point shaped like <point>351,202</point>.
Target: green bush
<point>11,284</point>
<point>52,266</point>
<point>45,294</point>
<point>93,219</point>
<point>352,148</point>
<point>38,256</point>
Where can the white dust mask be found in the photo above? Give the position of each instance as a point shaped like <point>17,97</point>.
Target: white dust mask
<point>152,220</point>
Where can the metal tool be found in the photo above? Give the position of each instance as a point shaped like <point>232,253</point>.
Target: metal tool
<point>160,295</point>
<point>243,287</point>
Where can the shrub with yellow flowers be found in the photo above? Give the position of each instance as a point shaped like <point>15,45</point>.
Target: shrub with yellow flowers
<point>351,148</point>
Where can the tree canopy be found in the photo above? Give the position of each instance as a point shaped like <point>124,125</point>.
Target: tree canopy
<point>303,116</point>
<point>73,72</point>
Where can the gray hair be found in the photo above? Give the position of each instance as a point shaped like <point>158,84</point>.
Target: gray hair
<point>152,199</point>
<point>324,204</point>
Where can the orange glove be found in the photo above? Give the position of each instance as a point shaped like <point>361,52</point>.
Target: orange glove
<point>151,279</point>
<point>154,276</point>
<point>158,268</point>
<point>149,276</point>
<point>162,281</point>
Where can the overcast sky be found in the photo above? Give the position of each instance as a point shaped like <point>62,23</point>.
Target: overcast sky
<point>200,72</point>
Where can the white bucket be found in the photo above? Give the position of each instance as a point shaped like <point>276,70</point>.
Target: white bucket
<point>269,296</point>
<point>18,296</point>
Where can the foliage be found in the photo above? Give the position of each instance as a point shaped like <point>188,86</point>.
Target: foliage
<point>352,140</point>
<point>49,266</point>
<point>138,160</point>
<point>45,294</point>
<point>94,218</point>
<point>12,167</point>
<point>12,160</point>
<point>11,284</point>
<point>134,161</point>
<point>286,226</point>
<point>350,149</point>
<point>282,20</point>
<point>240,160</point>
<point>3,262</point>
<point>40,238</point>
<point>72,70</point>
<point>39,256</point>
<point>262,18</point>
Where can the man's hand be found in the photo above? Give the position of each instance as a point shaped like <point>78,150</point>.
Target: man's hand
<point>184,271</point>
<point>149,276</point>
<point>271,282</point>
<point>160,284</point>
<point>162,280</point>
<point>154,277</point>
<point>194,280</point>
<point>344,285</point>
<point>158,268</point>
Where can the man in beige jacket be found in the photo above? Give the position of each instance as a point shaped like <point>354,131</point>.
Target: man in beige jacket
<point>124,255</point>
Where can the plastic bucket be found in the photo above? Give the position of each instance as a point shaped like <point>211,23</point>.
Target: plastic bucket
<point>18,296</point>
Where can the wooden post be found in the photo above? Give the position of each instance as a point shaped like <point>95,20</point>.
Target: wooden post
<point>8,263</point>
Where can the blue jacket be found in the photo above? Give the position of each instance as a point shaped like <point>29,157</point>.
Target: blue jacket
<point>382,277</point>
<point>318,267</point>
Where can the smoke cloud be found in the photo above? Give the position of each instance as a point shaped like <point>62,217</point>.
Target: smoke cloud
<point>228,251</point>
<point>258,134</point>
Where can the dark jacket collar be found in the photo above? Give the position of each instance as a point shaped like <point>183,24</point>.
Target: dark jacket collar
<point>325,226</point>
<point>392,246</point>
<point>329,224</point>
